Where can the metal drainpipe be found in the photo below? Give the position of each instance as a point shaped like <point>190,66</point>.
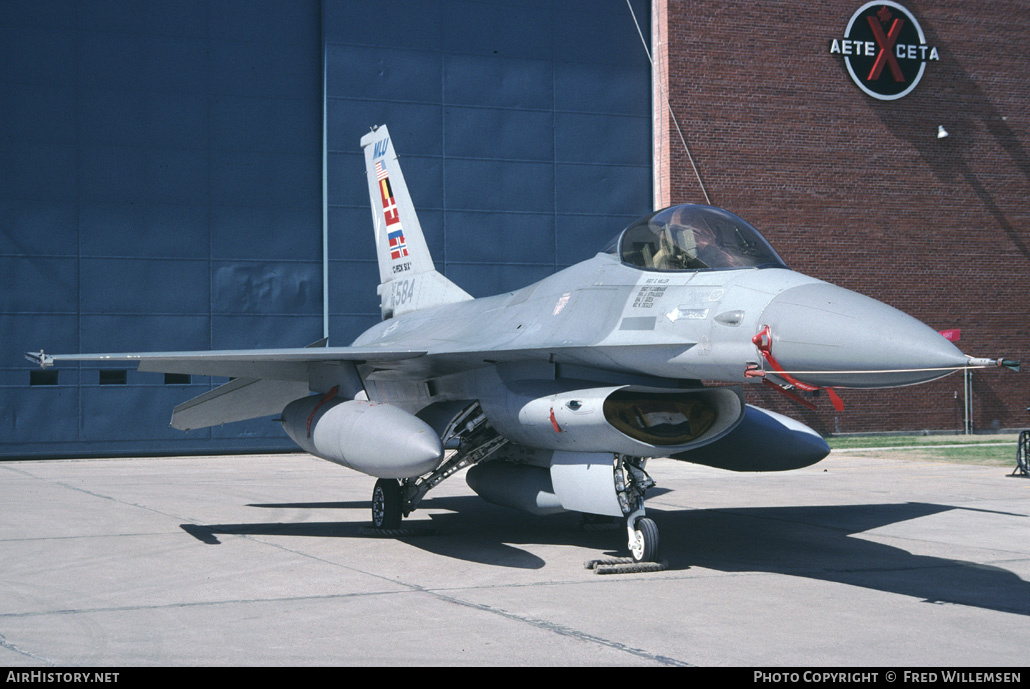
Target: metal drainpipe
<point>967,390</point>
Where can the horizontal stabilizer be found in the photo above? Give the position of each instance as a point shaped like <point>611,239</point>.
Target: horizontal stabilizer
<point>237,400</point>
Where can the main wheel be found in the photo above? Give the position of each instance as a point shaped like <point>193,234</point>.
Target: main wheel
<point>386,504</point>
<point>645,549</point>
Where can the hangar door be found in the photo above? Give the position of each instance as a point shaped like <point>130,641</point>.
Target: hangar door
<point>523,130</point>
<point>160,189</point>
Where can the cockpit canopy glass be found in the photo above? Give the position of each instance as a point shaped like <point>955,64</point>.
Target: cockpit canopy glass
<point>690,237</point>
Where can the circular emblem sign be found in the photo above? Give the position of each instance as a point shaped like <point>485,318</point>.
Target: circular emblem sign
<point>884,50</point>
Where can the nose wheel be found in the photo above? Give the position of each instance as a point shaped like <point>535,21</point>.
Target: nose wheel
<point>643,539</point>
<point>386,504</point>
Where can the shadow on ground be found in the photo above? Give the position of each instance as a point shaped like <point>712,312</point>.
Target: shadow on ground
<point>814,542</point>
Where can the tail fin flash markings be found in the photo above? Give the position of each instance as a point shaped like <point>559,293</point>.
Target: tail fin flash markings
<point>394,230</point>
<point>397,246</point>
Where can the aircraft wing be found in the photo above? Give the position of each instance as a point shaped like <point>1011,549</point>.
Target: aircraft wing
<point>294,363</point>
<point>265,364</point>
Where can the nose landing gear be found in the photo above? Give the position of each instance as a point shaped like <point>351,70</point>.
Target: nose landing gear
<point>631,482</point>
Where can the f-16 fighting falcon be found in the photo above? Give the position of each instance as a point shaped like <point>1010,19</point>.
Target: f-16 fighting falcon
<point>554,396</point>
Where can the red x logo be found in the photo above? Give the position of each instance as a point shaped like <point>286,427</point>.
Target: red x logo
<point>886,44</point>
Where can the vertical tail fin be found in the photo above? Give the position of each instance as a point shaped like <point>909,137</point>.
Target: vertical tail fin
<point>408,278</point>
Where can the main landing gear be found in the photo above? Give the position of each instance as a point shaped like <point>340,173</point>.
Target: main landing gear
<point>394,499</point>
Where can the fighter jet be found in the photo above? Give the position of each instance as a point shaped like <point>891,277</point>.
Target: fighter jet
<point>554,396</point>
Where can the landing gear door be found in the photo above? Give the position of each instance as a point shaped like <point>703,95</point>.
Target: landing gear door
<point>585,482</point>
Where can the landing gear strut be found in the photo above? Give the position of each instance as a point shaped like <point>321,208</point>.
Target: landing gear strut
<point>392,500</point>
<point>631,482</point>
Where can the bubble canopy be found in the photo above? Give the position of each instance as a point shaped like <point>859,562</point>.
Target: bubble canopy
<point>692,237</point>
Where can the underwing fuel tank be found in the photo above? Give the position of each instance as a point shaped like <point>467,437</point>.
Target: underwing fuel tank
<point>632,420</point>
<point>376,439</point>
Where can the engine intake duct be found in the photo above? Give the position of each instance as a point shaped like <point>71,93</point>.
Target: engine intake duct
<point>659,419</point>
<point>632,420</point>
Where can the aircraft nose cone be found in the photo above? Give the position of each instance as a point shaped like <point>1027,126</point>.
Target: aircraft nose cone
<point>822,327</point>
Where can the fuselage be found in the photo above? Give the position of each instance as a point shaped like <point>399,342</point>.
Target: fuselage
<point>682,325</point>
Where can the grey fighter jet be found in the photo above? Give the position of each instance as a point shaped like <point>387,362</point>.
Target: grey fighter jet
<point>554,396</point>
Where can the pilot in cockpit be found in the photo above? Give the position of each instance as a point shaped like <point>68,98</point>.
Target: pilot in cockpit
<point>668,256</point>
<point>694,238</point>
<point>683,247</point>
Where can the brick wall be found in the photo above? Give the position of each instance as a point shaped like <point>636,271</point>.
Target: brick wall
<point>861,192</point>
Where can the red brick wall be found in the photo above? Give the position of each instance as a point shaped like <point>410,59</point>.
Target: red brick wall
<point>861,192</point>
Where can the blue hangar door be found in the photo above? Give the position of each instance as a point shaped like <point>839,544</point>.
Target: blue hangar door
<point>178,203</point>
